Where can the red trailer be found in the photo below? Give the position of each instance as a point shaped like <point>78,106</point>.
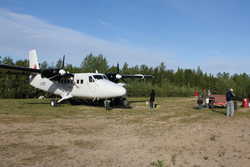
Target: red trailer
<point>217,101</point>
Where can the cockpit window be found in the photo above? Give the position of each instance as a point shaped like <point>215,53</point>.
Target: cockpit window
<point>99,77</point>
<point>105,77</point>
<point>91,79</point>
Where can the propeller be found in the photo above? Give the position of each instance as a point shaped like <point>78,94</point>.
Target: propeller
<point>118,68</point>
<point>118,76</point>
<point>115,76</point>
<point>62,71</point>
<point>56,74</point>
<point>63,62</point>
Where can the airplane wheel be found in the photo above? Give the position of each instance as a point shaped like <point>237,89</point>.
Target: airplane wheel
<point>125,102</point>
<point>107,104</point>
<point>53,103</point>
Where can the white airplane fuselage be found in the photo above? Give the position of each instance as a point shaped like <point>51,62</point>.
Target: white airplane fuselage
<point>84,85</point>
<point>57,81</point>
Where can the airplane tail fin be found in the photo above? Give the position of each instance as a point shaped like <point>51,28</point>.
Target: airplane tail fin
<point>33,60</point>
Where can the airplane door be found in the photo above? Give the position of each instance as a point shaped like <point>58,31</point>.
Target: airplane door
<point>85,86</point>
<point>92,86</point>
<point>81,87</point>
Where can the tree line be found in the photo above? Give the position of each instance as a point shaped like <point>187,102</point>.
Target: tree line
<point>166,82</point>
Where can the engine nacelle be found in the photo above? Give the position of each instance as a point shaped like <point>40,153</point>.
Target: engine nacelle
<point>62,72</point>
<point>118,76</point>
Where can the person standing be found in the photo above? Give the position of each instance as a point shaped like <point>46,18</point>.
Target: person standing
<point>196,93</point>
<point>204,97</point>
<point>209,92</point>
<point>230,103</point>
<point>200,102</point>
<point>152,99</point>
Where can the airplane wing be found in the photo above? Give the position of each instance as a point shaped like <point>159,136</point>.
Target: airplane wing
<point>52,74</point>
<point>10,69</point>
<point>140,76</point>
<point>56,74</point>
<point>115,77</point>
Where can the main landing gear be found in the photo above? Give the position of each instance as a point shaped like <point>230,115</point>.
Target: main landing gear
<point>53,103</point>
<point>125,102</point>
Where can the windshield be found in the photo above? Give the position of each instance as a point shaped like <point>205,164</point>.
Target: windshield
<point>99,77</point>
<point>105,77</point>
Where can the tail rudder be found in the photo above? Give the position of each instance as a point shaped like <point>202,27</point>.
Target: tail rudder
<point>33,60</point>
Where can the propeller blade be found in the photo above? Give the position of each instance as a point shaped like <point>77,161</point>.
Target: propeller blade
<point>118,68</point>
<point>51,78</point>
<point>124,80</point>
<point>63,62</point>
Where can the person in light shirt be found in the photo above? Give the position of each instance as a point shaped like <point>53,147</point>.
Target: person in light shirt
<point>230,104</point>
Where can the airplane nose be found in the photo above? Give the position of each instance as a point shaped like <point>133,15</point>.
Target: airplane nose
<point>122,91</point>
<point>110,89</point>
<point>119,91</point>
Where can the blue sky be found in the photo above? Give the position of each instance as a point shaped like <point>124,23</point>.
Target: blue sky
<point>212,34</point>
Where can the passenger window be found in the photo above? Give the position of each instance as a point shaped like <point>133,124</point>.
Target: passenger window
<point>77,81</point>
<point>81,81</point>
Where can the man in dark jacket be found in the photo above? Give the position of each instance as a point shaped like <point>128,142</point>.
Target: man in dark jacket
<point>230,103</point>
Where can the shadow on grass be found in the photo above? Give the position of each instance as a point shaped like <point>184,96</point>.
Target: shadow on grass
<point>88,103</point>
<point>222,112</point>
<point>137,101</point>
<point>217,110</point>
<point>47,103</point>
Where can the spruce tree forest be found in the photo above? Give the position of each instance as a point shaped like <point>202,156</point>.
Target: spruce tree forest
<point>166,82</point>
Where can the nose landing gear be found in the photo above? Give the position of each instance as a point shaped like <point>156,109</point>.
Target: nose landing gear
<point>54,103</point>
<point>121,102</point>
<point>107,104</point>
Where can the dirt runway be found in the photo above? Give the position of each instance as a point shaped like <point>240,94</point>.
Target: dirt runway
<point>171,136</point>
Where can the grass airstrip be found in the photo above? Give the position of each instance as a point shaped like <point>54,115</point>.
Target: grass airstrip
<point>32,133</point>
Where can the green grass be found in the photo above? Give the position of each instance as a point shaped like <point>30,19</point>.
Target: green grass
<point>158,163</point>
<point>36,107</point>
<point>169,109</point>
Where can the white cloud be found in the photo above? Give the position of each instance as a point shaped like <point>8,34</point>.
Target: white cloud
<point>215,64</point>
<point>20,33</point>
<point>219,61</point>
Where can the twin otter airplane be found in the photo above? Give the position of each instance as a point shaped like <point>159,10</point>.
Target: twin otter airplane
<point>94,86</point>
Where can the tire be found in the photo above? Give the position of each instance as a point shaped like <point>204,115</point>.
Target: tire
<point>53,103</point>
<point>107,104</point>
<point>211,106</point>
<point>125,103</point>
